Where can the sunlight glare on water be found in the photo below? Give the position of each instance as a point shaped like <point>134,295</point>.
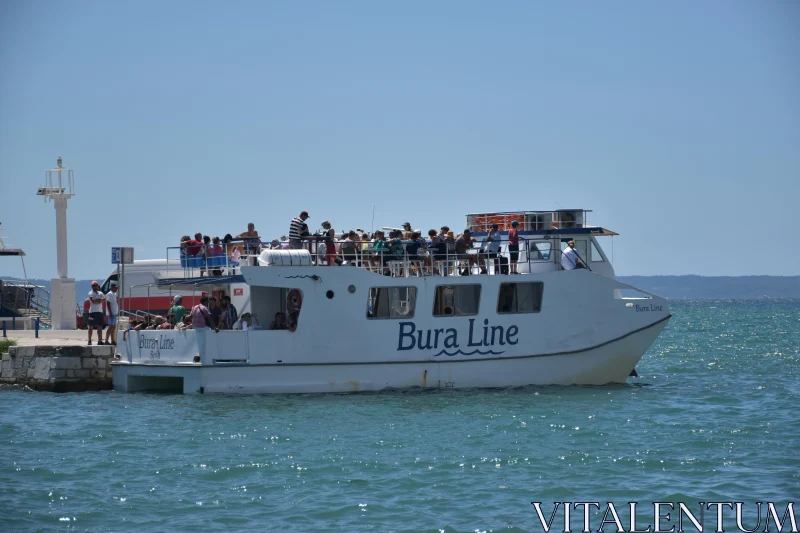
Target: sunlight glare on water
<point>711,417</point>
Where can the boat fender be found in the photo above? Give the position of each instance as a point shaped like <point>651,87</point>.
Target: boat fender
<point>294,301</point>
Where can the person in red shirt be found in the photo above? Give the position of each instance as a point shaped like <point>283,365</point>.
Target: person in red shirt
<point>195,246</point>
<point>513,246</point>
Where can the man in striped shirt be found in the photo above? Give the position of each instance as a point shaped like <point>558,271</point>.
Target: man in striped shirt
<point>297,229</point>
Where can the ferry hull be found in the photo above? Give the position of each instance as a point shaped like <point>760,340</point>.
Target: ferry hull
<point>610,362</point>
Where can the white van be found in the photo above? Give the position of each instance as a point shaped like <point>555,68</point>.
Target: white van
<point>141,291</point>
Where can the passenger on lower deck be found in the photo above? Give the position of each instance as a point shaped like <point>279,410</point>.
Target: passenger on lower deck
<point>293,317</point>
<point>247,322</point>
<point>279,322</point>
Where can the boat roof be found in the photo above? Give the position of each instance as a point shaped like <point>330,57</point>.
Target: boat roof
<point>553,222</point>
<point>531,212</point>
<point>596,231</point>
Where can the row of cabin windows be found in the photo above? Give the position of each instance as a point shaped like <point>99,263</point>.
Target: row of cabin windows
<point>454,300</point>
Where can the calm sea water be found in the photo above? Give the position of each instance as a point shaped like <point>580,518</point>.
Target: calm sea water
<point>713,417</point>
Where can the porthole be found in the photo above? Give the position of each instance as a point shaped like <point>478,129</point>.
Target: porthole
<point>351,289</point>
<point>329,294</point>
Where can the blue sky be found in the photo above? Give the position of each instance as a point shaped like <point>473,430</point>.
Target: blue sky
<point>678,123</point>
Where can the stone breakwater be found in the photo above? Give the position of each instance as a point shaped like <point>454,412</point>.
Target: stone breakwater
<point>58,368</point>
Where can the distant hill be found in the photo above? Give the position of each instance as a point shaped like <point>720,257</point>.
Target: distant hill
<point>673,287</point>
<point>705,288</point>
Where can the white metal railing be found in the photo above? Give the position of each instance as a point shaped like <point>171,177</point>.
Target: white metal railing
<point>429,261</point>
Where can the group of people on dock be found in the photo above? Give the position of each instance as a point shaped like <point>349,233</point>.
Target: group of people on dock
<point>99,308</point>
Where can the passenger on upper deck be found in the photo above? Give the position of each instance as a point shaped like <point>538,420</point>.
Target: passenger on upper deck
<point>297,229</point>
<point>251,239</point>
<point>330,246</point>
<point>249,236</point>
<point>463,245</point>
<point>206,252</point>
<point>491,248</point>
<point>407,231</point>
<point>450,242</point>
<point>437,248</point>
<point>513,246</point>
<point>193,246</point>
<point>569,257</point>
<point>395,244</point>
<point>414,246</point>
<point>349,247</point>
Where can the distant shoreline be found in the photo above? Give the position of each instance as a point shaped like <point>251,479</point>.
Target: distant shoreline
<point>716,287</point>
<point>682,287</point>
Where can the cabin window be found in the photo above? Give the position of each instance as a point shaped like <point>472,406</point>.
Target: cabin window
<point>597,257</point>
<point>520,297</point>
<point>539,250</point>
<point>391,302</point>
<point>457,300</point>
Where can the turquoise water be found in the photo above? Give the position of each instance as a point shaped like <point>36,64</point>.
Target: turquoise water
<point>712,417</point>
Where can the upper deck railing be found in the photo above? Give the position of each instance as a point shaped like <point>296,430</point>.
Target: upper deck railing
<point>417,258</point>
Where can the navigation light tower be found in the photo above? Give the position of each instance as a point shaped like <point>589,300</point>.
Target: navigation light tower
<point>60,187</point>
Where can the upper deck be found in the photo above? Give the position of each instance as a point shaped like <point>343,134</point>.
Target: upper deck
<point>544,235</point>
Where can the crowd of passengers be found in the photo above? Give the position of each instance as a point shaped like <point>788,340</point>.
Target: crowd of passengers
<point>378,248</point>
<point>209,314</point>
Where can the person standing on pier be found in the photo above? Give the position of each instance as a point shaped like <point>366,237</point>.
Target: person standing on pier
<point>112,310</point>
<point>96,316</point>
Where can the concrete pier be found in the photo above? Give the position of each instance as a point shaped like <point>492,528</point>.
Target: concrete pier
<point>58,361</point>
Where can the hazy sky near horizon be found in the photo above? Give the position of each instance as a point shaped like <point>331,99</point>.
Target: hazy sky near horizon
<point>677,123</point>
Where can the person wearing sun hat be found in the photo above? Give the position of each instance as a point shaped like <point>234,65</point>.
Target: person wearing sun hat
<point>96,316</point>
<point>407,231</point>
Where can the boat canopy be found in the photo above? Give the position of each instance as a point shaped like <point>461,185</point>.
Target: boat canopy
<point>557,221</point>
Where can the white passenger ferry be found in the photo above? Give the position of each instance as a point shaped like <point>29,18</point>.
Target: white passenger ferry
<point>409,321</point>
